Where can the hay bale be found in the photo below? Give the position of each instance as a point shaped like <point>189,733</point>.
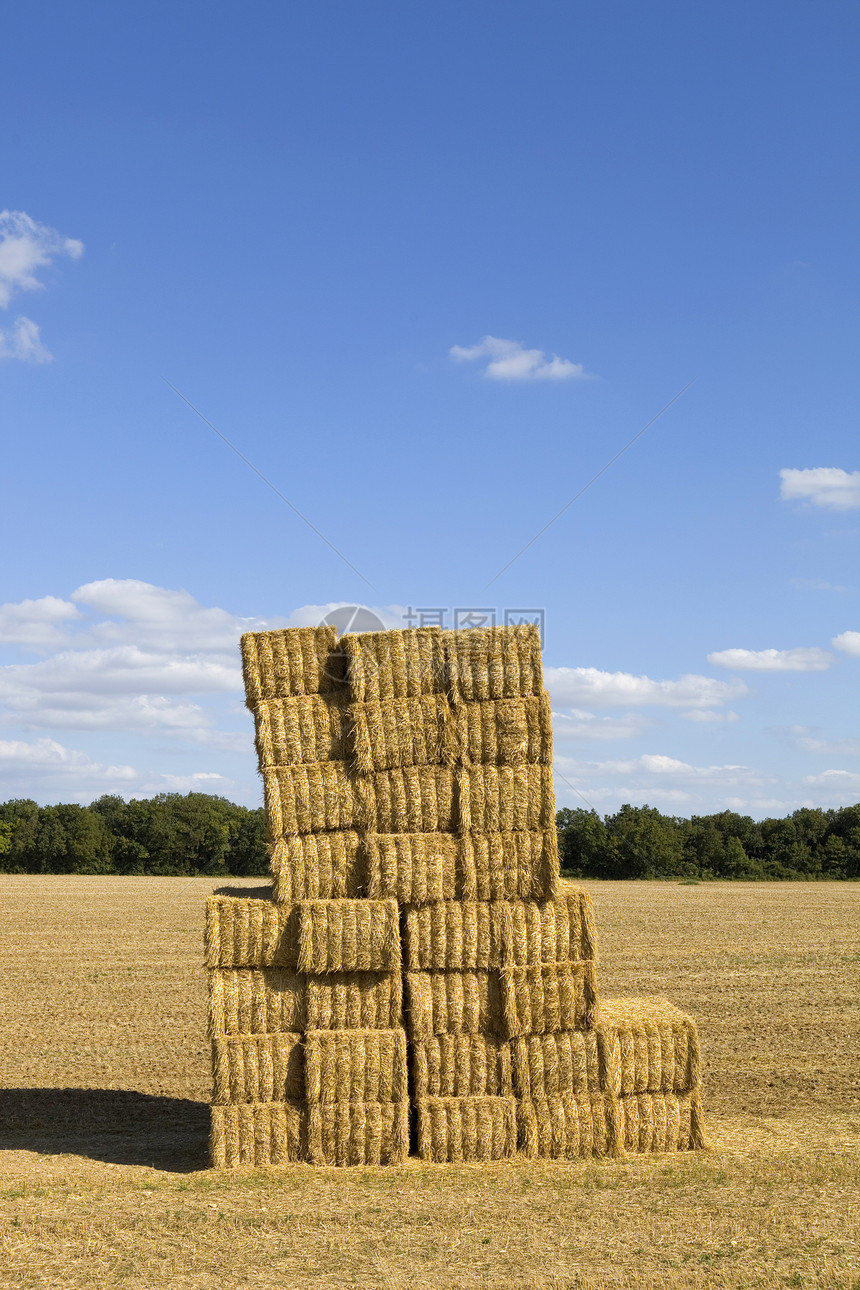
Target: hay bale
<point>258,1068</point>
<point>454,934</point>
<point>298,660</point>
<point>308,799</point>
<point>462,1066</point>
<point>648,1046</point>
<point>457,1130</point>
<point>311,866</point>
<point>300,731</point>
<point>349,936</point>
<point>501,799</point>
<point>661,1122</point>
<point>358,1133</point>
<point>412,868</point>
<point>354,1001</point>
<point>394,664</point>
<point>412,799</point>
<point>247,932</point>
<point>254,1001</point>
<point>505,732</point>
<point>510,866</point>
<point>453,1003</point>
<point>549,931</point>
<point>494,663</point>
<point>273,1133</point>
<point>390,733</point>
<point>548,997</point>
<point>356,1066</point>
<point>568,1126</point>
<point>565,1061</point>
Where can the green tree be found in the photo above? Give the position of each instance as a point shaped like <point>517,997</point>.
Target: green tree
<point>645,844</point>
<point>583,843</point>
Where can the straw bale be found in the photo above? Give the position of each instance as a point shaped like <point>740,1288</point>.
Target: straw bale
<point>661,1122</point>
<point>454,934</point>
<point>300,731</point>
<point>453,1003</point>
<point>354,1001</point>
<point>298,660</point>
<point>412,867</point>
<point>311,866</point>
<point>550,931</point>
<point>358,1133</point>
<point>389,733</point>
<point>510,866</point>
<point>648,1046</point>
<point>462,1066</point>
<point>494,662</point>
<point>244,931</point>
<point>308,799</point>
<point>456,1130</point>
<point>569,1126</point>
<point>549,997</point>
<point>258,1068</point>
<point>499,799</point>
<point>394,664</point>
<point>349,936</point>
<point>412,799</point>
<point>356,1066</point>
<point>506,732</point>
<point>255,1001</point>
<point>261,1133</point>
<point>566,1061</point>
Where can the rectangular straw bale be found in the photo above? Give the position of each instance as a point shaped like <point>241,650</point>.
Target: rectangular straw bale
<point>388,733</point>
<point>308,799</point>
<point>394,664</point>
<point>661,1122</point>
<point>244,931</point>
<point>298,660</point>
<point>506,732</point>
<point>648,1046</point>
<point>412,867</point>
<point>494,662</point>
<point>356,1066</point>
<point>258,1068</point>
<point>358,1133</point>
<point>462,1066</point>
<point>455,934</point>
<point>549,997</point>
<point>510,866</point>
<point>261,1133</point>
<point>453,1003</point>
<point>310,866</point>
<point>255,1001</point>
<point>569,1126</point>
<point>499,799</point>
<point>354,1001</point>
<point>566,1061</point>
<point>300,731</point>
<point>550,931</point>
<point>457,1130</point>
<point>349,936</point>
<point>412,799</point>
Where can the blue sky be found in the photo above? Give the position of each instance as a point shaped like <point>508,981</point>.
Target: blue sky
<point>429,268</point>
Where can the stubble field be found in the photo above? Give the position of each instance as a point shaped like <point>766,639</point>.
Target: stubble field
<point>103,1118</point>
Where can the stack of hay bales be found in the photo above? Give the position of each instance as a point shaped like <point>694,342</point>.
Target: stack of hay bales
<point>408,790</point>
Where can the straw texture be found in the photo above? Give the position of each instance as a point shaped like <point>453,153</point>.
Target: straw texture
<point>255,1001</point>
<point>648,1046</point>
<point>356,1066</point>
<point>569,1126</point>
<point>258,1068</point>
<point>358,1133</point>
<point>309,866</point>
<point>510,866</point>
<point>303,730</point>
<point>462,1066</point>
<point>454,934</point>
<point>298,660</point>
<point>661,1122</point>
<point>349,936</point>
<point>394,664</point>
<point>549,997</point>
<point>354,1001</point>
<point>506,732</point>
<point>412,867</point>
<point>390,733</point>
<point>248,932</point>
<point>455,1130</point>
<point>566,1061</point>
<point>413,799</point>
<point>549,931</point>
<point>499,799</point>
<point>453,1003</point>
<point>262,1133</point>
<point>308,799</point>
<point>494,663</point>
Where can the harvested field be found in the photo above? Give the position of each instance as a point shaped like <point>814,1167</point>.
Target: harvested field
<point>105,1064</point>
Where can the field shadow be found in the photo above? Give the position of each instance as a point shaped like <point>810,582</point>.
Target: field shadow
<point>249,893</point>
<point>116,1126</point>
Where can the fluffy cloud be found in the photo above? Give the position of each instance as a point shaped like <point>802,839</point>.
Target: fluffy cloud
<point>587,725</point>
<point>21,762</point>
<point>826,486</point>
<point>709,716</point>
<point>586,687</point>
<point>845,783</point>
<point>772,660</point>
<point>22,341</point>
<point>511,361</point>
<point>25,247</point>
<point>35,622</point>
<point>652,778</point>
<point>847,642</point>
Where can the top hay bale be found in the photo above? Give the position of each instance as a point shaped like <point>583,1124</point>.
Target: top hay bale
<point>298,660</point>
<point>494,663</point>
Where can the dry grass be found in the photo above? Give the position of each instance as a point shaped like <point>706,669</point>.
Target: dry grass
<point>101,1185</point>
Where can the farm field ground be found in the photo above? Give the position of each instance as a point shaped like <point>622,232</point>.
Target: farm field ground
<point>104,1065</point>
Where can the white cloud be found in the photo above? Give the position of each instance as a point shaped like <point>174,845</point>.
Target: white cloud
<point>817,584</point>
<point>25,247</point>
<point>826,486</point>
<point>21,762</point>
<point>842,781</point>
<point>587,725</point>
<point>390,616</point>
<point>847,642</point>
<point>511,361</point>
<point>708,715</point>
<point>772,660</point>
<point>23,342</point>
<point>35,622</point>
<point>578,687</point>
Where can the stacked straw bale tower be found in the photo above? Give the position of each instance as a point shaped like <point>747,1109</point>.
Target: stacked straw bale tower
<point>420,980</point>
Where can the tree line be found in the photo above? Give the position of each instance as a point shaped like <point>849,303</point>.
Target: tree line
<point>176,834</point>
